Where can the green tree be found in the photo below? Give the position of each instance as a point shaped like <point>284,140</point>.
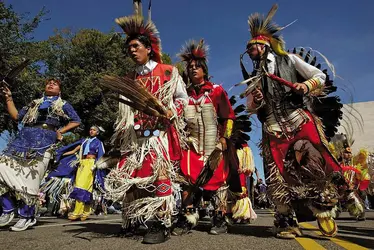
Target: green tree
<point>166,58</point>
<point>16,43</point>
<point>79,60</point>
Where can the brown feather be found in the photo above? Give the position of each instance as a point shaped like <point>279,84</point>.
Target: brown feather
<point>270,15</point>
<point>138,8</point>
<point>139,96</point>
<point>214,159</point>
<point>145,109</point>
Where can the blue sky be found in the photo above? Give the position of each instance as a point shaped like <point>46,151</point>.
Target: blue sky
<point>338,29</point>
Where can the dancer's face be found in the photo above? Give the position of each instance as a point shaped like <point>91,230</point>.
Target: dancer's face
<point>195,72</point>
<point>93,132</point>
<point>347,155</point>
<point>52,88</point>
<point>255,51</point>
<point>138,52</point>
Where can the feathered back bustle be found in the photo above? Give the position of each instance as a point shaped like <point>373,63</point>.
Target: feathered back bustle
<point>264,31</point>
<point>135,26</point>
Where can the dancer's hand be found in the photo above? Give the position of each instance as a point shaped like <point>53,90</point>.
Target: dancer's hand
<point>223,142</point>
<point>257,95</point>
<point>301,88</point>
<point>59,136</point>
<point>6,92</point>
<point>169,114</point>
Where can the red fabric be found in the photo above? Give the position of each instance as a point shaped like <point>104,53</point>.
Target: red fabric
<point>196,165</point>
<point>179,106</point>
<point>219,98</point>
<point>163,187</point>
<point>261,37</point>
<point>220,101</point>
<point>153,81</point>
<point>146,169</point>
<point>361,184</point>
<point>243,175</point>
<point>243,183</point>
<point>243,180</point>
<point>224,110</point>
<point>364,185</point>
<point>175,149</point>
<point>279,146</point>
<point>347,168</point>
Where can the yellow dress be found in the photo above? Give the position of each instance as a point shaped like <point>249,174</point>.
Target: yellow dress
<point>84,180</point>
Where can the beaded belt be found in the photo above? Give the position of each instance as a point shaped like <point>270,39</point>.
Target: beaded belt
<point>43,126</point>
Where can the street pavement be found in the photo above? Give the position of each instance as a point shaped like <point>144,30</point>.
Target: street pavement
<point>101,232</point>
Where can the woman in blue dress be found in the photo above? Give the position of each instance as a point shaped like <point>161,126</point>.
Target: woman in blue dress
<point>25,159</point>
<point>90,150</point>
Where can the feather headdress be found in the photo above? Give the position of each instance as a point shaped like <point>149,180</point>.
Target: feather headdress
<point>265,31</point>
<point>339,144</point>
<point>134,26</point>
<point>195,51</point>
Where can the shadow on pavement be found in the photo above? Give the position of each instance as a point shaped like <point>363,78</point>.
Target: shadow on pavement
<point>44,222</point>
<point>359,231</point>
<point>241,229</point>
<point>252,230</point>
<point>95,230</point>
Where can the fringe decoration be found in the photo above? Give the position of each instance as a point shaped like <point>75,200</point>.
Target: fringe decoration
<point>106,162</point>
<point>246,161</point>
<point>323,213</point>
<point>119,181</point>
<point>193,218</point>
<point>355,205</point>
<point>20,195</point>
<point>165,93</point>
<point>33,111</point>
<point>31,167</point>
<point>243,210</point>
<point>125,136</point>
<point>142,210</point>
<point>57,187</point>
<point>220,198</point>
<point>277,187</point>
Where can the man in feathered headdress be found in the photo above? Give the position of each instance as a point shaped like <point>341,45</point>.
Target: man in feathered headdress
<point>149,145</point>
<point>355,171</point>
<point>294,144</point>
<point>209,118</point>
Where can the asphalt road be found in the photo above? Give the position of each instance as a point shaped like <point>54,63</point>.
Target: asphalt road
<point>100,232</point>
